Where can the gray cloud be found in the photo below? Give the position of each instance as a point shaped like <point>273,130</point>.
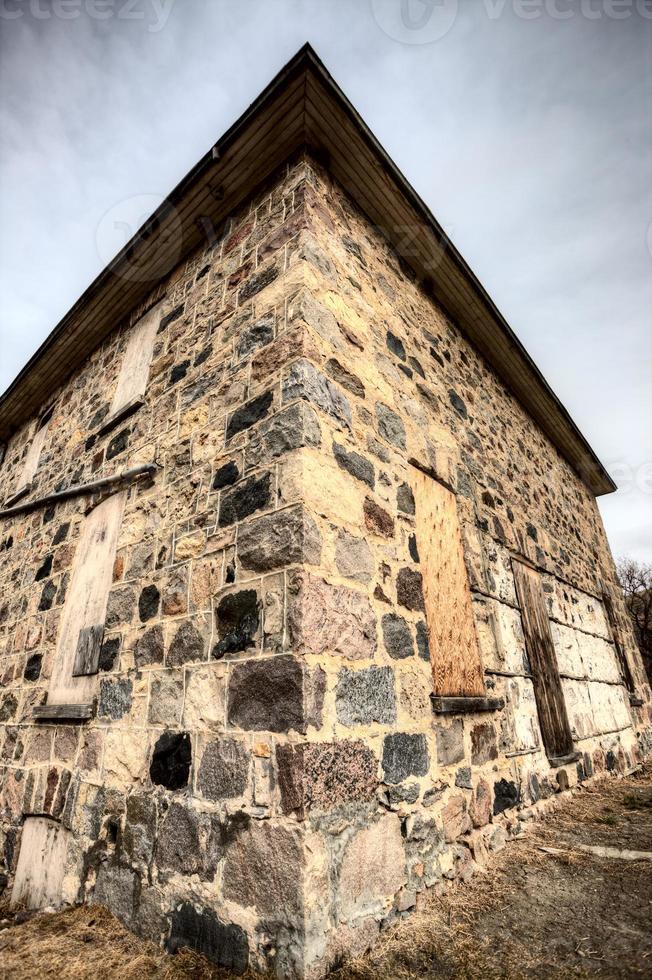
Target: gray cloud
<point>528,136</point>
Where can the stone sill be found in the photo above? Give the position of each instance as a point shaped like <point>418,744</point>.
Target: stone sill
<point>64,712</point>
<point>556,761</point>
<point>466,706</point>
<point>123,413</point>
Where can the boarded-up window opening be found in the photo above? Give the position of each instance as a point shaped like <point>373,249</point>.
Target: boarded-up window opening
<point>41,864</point>
<point>31,460</point>
<point>84,610</point>
<point>454,651</point>
<point>551,707</point>
<point>625,669</point>
<point>134,373</point>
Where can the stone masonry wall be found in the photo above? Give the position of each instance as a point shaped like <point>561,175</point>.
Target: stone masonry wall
<point>264,778</point>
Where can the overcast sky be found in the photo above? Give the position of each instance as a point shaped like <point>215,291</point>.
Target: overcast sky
<point>524,124</point>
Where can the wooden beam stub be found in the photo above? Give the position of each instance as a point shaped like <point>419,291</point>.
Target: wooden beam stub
<point>465,706</point>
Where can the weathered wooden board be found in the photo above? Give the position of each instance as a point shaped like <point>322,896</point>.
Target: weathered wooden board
<point>86,598</point>
<point>134,373</point>
<point>87,655</point>
<point>41,864</point>
<point>454,650</point>
<point>63,712</point>
<point>551,707</point>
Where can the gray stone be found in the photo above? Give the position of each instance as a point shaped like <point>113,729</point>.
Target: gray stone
<point>224,769</point>
<point>116,888</point>
<point>397,637</point>
<point>120,607</point>
<point>307,382</point>
<point>284,537</point>
<point>140,829</point>
<point>404,793</point>
<point>254,283</point>
<point>356,465</point>
<point>256,336</point>
<point>463,778</point>
<point>237,620</point>
<point>166,699</point>
<point>115,698</point>
<point>390,425</point>
<point>149,648</point>
<point>245,499</point>
<point>267,695</point>
<point>506,795</point>
<point>353,557</point>
<point>404,755</point>
<point>188,645</point>
<point>189,842</point>
<point>263,869</point>
<point>450,743</point>
<point>457,403</point>
<point>365,696</point>
<point>423,646</point>
<point>395,345</point>
<point>291,428</point>
<point>405,499</point>
<point>248,414</point>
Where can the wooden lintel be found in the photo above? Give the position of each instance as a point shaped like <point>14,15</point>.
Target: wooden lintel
<point>563,760</point>
<point>63,712</point>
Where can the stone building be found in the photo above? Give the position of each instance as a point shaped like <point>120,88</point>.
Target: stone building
<point>304,590</point>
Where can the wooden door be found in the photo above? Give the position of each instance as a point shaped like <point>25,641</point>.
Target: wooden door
<point>454,652</point>
<point>41,863</point>
<point>551,707</point>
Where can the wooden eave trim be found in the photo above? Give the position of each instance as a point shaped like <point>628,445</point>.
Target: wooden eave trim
<point>301,106</point>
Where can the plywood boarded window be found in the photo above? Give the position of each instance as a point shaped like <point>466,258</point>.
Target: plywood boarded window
<point>41,864</point>
<point>539,644</point>
<point>31,460</point>
<point>134,373</point>
<point>454,651</point>
<point>84,611</point>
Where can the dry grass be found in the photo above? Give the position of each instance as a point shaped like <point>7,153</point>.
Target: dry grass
<point>88,943</point>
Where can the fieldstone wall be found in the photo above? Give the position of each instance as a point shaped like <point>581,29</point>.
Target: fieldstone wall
<point>264,778</point>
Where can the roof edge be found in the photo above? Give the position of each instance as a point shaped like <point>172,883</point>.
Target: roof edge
<point>469,303</point>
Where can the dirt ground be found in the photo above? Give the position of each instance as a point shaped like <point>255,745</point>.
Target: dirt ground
<point>535,913</point>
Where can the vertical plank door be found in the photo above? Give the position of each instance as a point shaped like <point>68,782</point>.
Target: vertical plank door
<point>551,707</point>
<point>454,651</point>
